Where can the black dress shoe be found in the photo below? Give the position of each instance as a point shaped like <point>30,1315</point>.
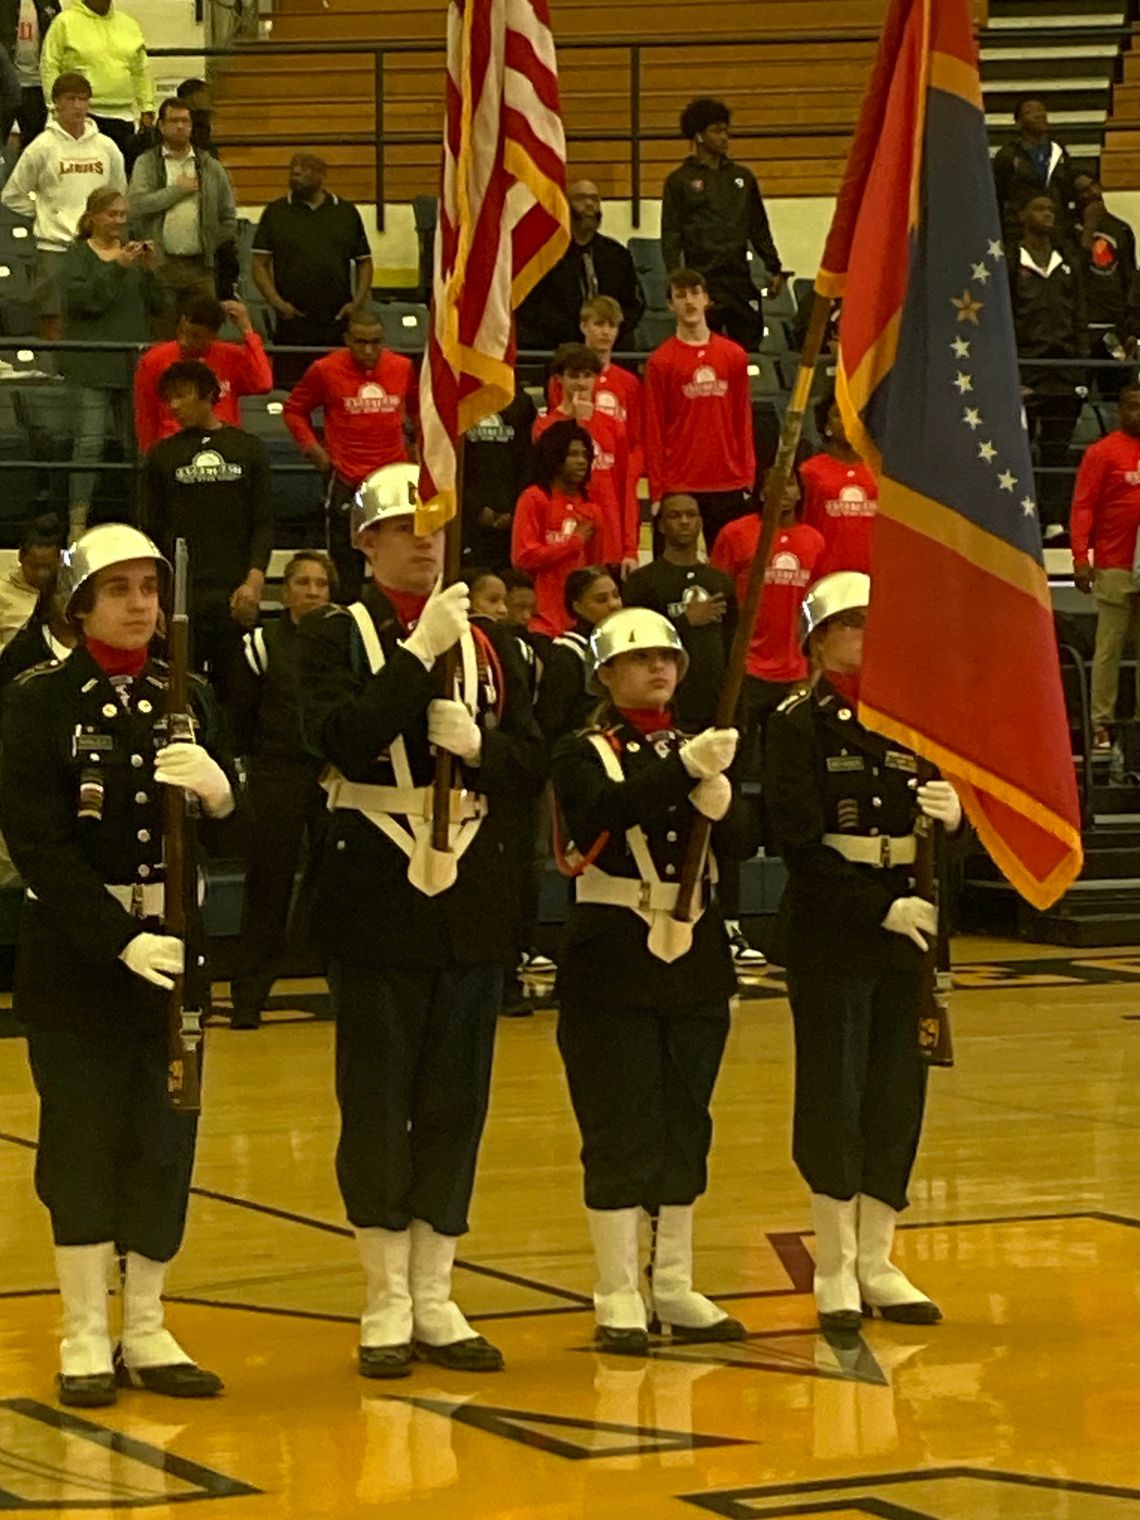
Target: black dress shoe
<point>621,1342</point>
<point>841,1322</point>
<point>472,1355</point>
<point>181,1380</point>
<point>726,1329</point>
<point>385,1361</point>
<point>245,1019</point>
<point>94,1390</point>
<point>921,1312</point>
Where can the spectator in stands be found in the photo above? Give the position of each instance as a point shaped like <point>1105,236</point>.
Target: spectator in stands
<point>521,603</point>
<point>698,599</point>
<point>23,27</point>
<point>52,182</point>
<point>312,263</point>
<point>576,368</point>
<point>564,700</point>
<point>593,265</point>
<point>488,595</point>
<point>698,413</point>
<point>369,399</point>
<point>1112,294</point>
<point>106,46</point>
<point>497,468</point>
<point>210,485</point>
<point>1105,519</point>
<point>196,94</point>
<point>36,566</point>
<point>109,289</point>
<point>242,369</point>
<point>557,524</point>
<point>841,496</point>
<point>1032,164</point>
<point>182,202</point>
<point>617,391</point>
<point>288,806</point>
<point>1049,323</point>
<point>47,635</point>
<point>711,213</point>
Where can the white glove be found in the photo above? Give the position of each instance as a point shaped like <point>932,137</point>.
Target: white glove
<point>709,753</point>
<point>713,797</point>
<point>150,955</point>
<point>939,800</point>
<point>443,622</point>
<point>909,915</point>
<point>195,770</point>
<point>451,727</point>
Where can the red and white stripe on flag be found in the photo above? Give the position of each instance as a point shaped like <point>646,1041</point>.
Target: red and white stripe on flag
<point>503,223</point>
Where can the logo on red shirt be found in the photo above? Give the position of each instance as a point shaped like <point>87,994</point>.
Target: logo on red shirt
<point>606,401</point>
<point>705,382</point>
<point>852,501</point>
<point>370,399</point>
<point>784,569</point>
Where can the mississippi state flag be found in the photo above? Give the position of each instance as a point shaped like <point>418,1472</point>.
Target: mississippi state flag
<point>960,659</point>
<point>503,223</point>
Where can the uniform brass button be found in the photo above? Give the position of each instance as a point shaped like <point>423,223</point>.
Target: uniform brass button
<point>844,715</point>
<point>144,872</point>
<point>141,797</point>
<point>143,836</point>
<point>144,706</point>
<point>913,783</point>
<point>136,761</point>
<point>876,802</point>
<point>670,870</point>
<point>109,709</point>
<point>671,836</point>
<point>874,770</point>
<point>874,833</point>
<point>633,746</point>
<point>912,882</point>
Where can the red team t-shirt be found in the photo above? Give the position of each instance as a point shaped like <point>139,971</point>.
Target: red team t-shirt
<point>242,369</point>
<point>364,410</point>
<point>617,392</point>
<point>1106,503</point>
<point>840,501</point>
<point>774,653</point>
<point>546,544</point>
<point>612,484</point>
<point>698,418</point>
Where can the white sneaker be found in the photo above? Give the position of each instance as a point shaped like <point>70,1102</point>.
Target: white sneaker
<point>743,954</point>
<point>537,964</point>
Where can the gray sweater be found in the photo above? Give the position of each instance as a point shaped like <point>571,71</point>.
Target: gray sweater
<point>150,198</point>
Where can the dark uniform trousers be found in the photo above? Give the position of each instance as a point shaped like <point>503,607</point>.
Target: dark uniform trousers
<point>416,978</point>
<point>854,987</point>
<point>289,815</point>
<point>413,1074</point>
<point>342,551</point>
<point>114,1157</point>
<point>641,1038</point>
<point>641,1083</point>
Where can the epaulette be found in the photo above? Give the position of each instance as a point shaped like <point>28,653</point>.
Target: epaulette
<point>38,670</point>
<point>793,701</point>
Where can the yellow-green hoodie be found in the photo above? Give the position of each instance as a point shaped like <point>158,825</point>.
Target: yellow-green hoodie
<point>109,51</point>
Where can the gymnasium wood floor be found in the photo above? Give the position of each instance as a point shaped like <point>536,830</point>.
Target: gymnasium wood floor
<point>1025,1225</point>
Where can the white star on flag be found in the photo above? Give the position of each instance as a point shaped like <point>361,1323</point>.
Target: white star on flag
<point>972,417</point>
<point>986,451</point>
<point>961,348</point>
<point>996,251</point>
<point>1007,480</point>
<point>964,383</point>
<point>981,274</point>
<point>1028,506</point>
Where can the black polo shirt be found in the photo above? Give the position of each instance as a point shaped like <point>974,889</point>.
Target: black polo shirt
<point>314,250</point>
<point>668,589</point>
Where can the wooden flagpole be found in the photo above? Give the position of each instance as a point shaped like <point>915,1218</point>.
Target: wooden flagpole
<point>773,497</point>
<point>452,566</point>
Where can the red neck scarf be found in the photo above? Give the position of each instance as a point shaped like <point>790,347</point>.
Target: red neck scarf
<point>846,684</point>
<point>407,604</point>
<point>648,720</point>
<point>117,662</point>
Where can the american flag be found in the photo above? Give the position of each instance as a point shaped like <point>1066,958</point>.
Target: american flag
<point>503,223</point>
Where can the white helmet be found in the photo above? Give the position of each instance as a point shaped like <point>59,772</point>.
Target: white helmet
<point>842,591</point>
<point>632,628</point>
<point>98,548</point>
<point>391,491</point>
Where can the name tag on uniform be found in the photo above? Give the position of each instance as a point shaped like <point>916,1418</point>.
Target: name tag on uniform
<point>89,744</point>
<point>845,762</point>
<point>895,761</point>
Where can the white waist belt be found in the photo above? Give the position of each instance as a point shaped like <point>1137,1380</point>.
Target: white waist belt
<point>144,899</point>
<point>878,850</point>
<point>595,886</point>
<point>404,802</point>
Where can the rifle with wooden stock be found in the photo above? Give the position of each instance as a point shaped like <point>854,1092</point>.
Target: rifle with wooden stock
<point>180,885</point>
